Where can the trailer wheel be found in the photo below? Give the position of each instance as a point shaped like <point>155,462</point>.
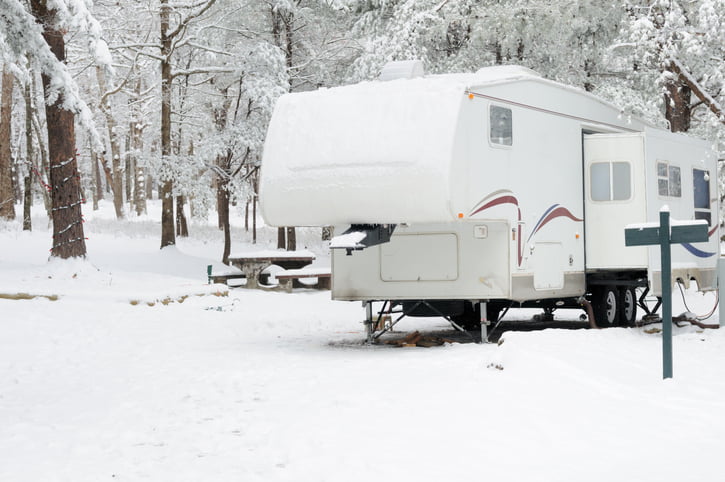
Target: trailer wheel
<point>605,303</point>
<point>493,310</point>
<point>628,306</point>
<point>470,319</point>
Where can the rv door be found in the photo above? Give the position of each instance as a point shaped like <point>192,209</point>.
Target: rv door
<point>614,181</point>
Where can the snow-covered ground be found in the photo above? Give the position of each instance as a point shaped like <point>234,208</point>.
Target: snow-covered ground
<point>139,370</point>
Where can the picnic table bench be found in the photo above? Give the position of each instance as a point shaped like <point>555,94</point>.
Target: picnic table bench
<point>289,279</point>
<point>230,273</point>
<point>252,264</point>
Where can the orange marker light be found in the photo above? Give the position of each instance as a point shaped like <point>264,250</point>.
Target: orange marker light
<point>460,215</point>
<point>470,96</point>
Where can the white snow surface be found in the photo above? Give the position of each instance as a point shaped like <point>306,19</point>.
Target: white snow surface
<point>267,386</point>
<point>392,141</point>
<point>348,240</point>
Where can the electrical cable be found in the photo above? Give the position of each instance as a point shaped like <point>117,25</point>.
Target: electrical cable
<point>698,318</point>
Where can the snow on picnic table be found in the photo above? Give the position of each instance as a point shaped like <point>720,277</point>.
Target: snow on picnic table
<point>264,386</point>
<point>272,254</point>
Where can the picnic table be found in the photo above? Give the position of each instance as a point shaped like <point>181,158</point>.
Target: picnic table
<point>290,278</point>
<point>253,263</point>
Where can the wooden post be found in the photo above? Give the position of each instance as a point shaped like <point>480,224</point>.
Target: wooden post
<point>666,266</point>
<point>665,235</point>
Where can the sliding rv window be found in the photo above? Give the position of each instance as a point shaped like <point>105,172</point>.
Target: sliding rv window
<point>701,189</point>
<point>669,179</point>
<point>611,181</point>
<point>501,126</point>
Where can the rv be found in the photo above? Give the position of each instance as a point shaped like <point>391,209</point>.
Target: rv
<point>460,195</point>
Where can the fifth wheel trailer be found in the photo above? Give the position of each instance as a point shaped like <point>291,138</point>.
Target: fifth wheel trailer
<point>462,191</point>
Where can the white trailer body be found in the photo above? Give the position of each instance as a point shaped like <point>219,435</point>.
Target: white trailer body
<point>503,186</point>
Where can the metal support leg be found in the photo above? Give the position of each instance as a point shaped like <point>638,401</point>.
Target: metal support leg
<point>484,322</point>
<point>369,327</point>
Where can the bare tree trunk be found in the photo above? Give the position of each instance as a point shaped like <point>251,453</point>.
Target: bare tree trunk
<point>182,227</point>
<point>168,237</point>
<point>139,174</point>
<point>677,105</point>
<point>255,185</point>
<point>289,36</point>
<point>246,216</point>
<point>28,184</point>
<point>116,180</point>
<point>28,202</point>
<point>220,200</point>
<point>223,192</point>
<point>7,193</point>
<point>291,239</point>
<point>96,177</point>
<point>68,238</point>
<point>129,169</point>
<point>149,187</point>
<point>281,238</point>
<point>44,165</point>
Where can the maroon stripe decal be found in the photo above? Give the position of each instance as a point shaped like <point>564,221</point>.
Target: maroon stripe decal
<point>557,213</point>
<point>496,202</point>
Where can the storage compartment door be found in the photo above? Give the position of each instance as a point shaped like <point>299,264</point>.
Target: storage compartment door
<point>420,257</point>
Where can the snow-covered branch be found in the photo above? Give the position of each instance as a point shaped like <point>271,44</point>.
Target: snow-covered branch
<point>202,70</point>
<point>203,7</point>
<point>684,75</point>
<point>22,34</point>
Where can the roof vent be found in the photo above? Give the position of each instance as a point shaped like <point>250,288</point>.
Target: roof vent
<point>402,69</point>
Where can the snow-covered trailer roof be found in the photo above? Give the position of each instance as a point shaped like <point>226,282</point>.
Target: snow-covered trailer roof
<point>371,153</point>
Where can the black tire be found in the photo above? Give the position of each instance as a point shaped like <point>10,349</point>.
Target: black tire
<point>492,312</point>
<point>627,306</point>
<point>470,319</point>
<point>605,304</point>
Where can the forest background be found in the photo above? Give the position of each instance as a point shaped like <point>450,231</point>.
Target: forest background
<point>131,100</point>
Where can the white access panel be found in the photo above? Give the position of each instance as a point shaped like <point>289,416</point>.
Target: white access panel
<point>614,196</point>
<point>547,266</point>
<point>420,257</point>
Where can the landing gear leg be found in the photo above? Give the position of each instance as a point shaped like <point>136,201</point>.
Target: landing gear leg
<point>484,321</point>
<point>369,327</point>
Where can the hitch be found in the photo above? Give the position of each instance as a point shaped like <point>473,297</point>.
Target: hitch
<point>361,236</point>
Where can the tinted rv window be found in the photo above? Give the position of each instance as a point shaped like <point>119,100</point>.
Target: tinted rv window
<point>501,131</point>
<point>669,180</point>
<point>701,188</point>
<point>611,181</point>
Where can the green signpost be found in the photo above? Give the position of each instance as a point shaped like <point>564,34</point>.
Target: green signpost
<point>665,235</point>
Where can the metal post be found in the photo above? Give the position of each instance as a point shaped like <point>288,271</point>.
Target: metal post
<point>484,322</point>
<point>666,281</point>
<point>369,322</point>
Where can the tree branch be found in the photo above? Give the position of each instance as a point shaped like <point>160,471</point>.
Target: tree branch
<point>686,77</point>
<point>184,22</point>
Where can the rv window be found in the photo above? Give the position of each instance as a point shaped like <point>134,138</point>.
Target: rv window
<point>611,181</point>
<point>501,130</point>
<point>669,180</point>
<point>701,188</point>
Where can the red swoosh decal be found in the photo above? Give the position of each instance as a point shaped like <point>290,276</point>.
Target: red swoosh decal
<point>557,213</point>
<point>496,202</point>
